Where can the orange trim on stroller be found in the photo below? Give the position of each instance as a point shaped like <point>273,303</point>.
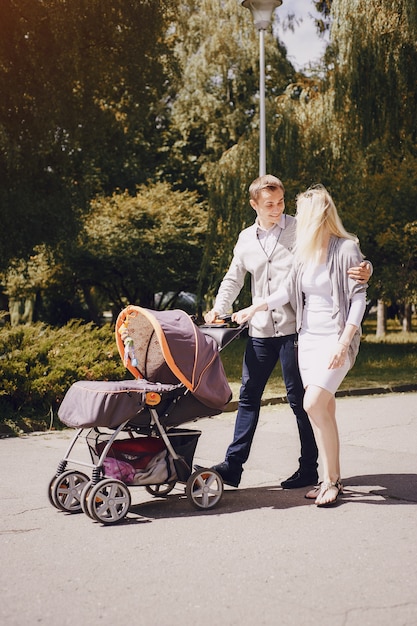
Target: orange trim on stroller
<point>161,339</point>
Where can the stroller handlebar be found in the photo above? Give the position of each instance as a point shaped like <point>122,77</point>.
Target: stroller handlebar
<point>223,321</point>
<point>221,332</point>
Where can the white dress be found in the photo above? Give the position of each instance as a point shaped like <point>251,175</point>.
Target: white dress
<point>319,333</point>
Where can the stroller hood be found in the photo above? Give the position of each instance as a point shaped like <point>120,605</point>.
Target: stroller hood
<point>167,347</point>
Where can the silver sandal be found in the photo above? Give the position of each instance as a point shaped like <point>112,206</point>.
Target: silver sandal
<point>326,486</point>
<point>313,493</point>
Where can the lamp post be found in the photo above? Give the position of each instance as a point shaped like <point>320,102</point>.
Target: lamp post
<point>261,12</point>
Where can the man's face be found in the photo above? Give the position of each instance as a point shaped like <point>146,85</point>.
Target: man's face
<point>269,206</point>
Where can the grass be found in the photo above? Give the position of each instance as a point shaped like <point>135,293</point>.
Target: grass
<point>382,361</point>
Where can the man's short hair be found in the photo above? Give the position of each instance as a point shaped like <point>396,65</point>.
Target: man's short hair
<point>264,182</point>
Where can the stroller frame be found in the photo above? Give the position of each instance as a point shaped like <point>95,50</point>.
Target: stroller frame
<point>107,499</point>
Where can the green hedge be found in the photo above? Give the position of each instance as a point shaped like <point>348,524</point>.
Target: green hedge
<point>39,363</point>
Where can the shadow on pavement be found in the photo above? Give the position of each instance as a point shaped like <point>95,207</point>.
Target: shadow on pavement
<point>378,489</point>
<point>392,488</point>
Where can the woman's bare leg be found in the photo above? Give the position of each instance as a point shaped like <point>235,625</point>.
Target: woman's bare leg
<point>320,405</point>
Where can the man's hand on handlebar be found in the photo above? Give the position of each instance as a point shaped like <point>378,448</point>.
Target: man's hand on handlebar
<point>210,317</point>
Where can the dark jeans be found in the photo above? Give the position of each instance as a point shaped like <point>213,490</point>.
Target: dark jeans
<point>260,359</point>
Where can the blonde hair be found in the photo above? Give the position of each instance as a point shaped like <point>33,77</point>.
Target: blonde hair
<point>264,182</point>
<point>317,216</point>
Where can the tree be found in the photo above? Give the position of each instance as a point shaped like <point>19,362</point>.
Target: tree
<point>215,117</point>
<point>381,209</point>
<point>82,109</point>
<point>132,247</point>
<point>375,97</point>
<point>375,74</point>
<point>217,96</point>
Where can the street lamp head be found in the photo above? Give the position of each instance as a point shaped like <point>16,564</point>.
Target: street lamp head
<point>261,11</point>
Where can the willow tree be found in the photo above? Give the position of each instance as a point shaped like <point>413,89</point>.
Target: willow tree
<point>215,116</point>
<point>376,71</point>
<point>374,45</point>
<point>356,130</point>
<point>217,97</point>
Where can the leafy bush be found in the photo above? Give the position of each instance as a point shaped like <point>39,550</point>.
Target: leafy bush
<point>39,363</point>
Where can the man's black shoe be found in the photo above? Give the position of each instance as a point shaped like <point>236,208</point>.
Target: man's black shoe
<point>229,476</point>
<point>300,479</point>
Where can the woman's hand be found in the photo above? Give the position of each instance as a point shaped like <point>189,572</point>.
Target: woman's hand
<point>338,357</point>
<point>244,315</point>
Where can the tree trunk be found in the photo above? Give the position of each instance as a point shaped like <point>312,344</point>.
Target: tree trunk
<point>90,300</point>
<point>381,318</point>
<point>21,310</point>
<point>407,317</point>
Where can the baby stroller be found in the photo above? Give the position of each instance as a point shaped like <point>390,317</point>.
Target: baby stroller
<point>132,427</point>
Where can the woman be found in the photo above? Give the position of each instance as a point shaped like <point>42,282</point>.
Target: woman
<point>329,309</point>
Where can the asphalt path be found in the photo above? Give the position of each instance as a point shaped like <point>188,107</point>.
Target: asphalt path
<point>263,556</point>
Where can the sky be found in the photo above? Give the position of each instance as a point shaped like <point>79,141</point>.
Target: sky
<point>303,45</point>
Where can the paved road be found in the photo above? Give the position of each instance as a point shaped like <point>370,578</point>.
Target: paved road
<point>264,556</point>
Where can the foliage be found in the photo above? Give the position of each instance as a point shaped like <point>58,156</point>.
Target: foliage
<point>132,247</point>
<point>82,109</point>
<point>216,103</point>
<point>376,68</point>
<point>39,363</point>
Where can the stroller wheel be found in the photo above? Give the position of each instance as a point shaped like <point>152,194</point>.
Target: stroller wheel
<point>85,495</point>
<point>65,491</point>
<point>161,490</point>
<point>50,491</point>
<point>204,488</point>
<point>108,501</point>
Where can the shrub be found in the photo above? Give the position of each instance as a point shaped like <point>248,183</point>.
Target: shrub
<point>39,363</point>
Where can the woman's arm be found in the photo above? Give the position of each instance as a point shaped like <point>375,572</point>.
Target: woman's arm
<point>280,296</point>
<point>244,315</point>
<point>356,311</point>
<point>275,300</point>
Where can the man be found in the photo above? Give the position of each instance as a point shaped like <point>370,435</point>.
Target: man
<point>265,250</point>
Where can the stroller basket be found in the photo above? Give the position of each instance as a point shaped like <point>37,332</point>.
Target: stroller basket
<point>141,460</point>
<point>136,451</point>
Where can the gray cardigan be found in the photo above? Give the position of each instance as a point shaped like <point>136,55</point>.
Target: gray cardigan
<point>341,255</point>
<point>267,273</point>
